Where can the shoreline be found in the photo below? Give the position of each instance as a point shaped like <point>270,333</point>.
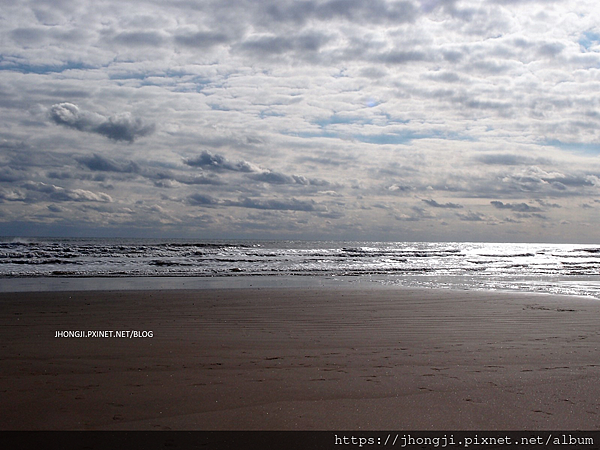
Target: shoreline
<point>576,287</point>
<point>315,358</point>
<point>153,283</point>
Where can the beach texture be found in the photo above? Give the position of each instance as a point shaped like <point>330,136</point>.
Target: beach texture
<point>300,359</point>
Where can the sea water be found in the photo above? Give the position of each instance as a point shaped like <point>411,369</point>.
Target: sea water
<point>571,269</point>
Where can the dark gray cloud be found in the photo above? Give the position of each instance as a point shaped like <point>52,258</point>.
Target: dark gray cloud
<point>471,216</point>
<point>273,177</point>
<point>402,56</point>
<point>103,164</point>
<point>201,39</point>
<point>435,204</point>
<point>375,11</point>
<point>28,36</point>
<point>202,200</point>
<point>217,162</point>
<point>444,76</point>
<point>329,158</point>
<point>399,188</point>
<point>378,110</point>
<point>55,208</point>
<point>569,180</point>
<point>510,159</point>
<point>310,35</point>
<point>533,179</point>
<point>139,39</point>
<point>546,204</point>
<point>551,50</point>
<point>529,216</point>
<point>470,101</point>
<point>415,214</point>
<point>276,45</point>
<point>36,35</point>
<point>59,175</point>
<point>122,127</point>
<point>60,194</point>
<point>331,215</point>
<point>210,161</point>
<point>453,56</point>
<point>9,175</point>
<point>277,178</point>
<point>12,195</point>
<point>160,177</point>
<point>210,179</point>
<point>292,204</point>
<point>517,207</point>
<point>514,2</point>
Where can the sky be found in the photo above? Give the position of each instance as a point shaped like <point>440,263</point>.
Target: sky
<point>429,120</point>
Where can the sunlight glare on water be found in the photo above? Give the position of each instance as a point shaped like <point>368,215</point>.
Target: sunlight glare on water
<point>551,268</point>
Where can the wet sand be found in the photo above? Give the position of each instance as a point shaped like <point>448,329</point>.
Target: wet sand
<point>300,359</point>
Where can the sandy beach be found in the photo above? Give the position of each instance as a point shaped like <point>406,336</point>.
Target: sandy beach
<point>300,359</point>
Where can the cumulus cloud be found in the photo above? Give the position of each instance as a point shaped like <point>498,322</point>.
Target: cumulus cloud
<point>534,179</point>
<point>210,161</point>
<point>160,177</point>
<point>273,177</point>
<point>546,204</point>
<point>9,175</point>
<point>510,159</point>
<point>60,194</point>
<point>471,216</point>
<point>291,204</point>
<point>376,11</point>
<point>201,39</point>
<point>217,162</point>
<point>55,208</point>
<point>435,204</point>
<point>275,45</point>
<point>197,179</point>
<point>101,163</point>
<point>122,127</point>
<point>416,214</point>
<point>319,106</point>
<point>81,195</point>
<point>518,207</point>
<point>399,188</point>
<point>202,200</point>
<point>12,195</point>
<point>139,38</point>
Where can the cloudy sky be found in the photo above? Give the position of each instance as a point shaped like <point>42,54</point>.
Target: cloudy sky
<point>347,119</point>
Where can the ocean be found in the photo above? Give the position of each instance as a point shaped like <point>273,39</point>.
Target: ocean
<point>65,263</point>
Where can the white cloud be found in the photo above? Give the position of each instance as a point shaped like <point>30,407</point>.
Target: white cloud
<point>122,127</point>
<point>287,107</point>
<point>58,193</point>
